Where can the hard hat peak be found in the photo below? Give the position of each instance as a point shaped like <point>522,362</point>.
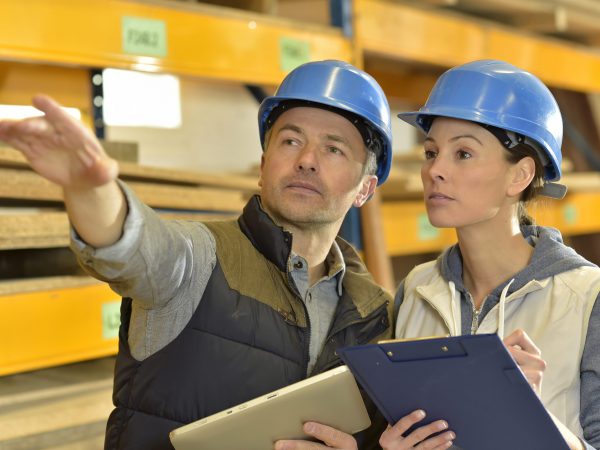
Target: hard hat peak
<point>496,93</point>
<point>339,85</point>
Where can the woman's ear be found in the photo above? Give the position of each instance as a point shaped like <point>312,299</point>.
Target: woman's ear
<point>367,189</point>
<point>262,163</point>
<point>522,175</point>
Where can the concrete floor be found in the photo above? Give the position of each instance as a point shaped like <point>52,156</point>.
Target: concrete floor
<point>61,408</point>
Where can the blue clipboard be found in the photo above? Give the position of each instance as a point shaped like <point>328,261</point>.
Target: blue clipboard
<point>472,382</point>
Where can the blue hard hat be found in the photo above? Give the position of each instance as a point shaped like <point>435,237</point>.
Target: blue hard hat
<point>341,87</point>
<point>500,95</point>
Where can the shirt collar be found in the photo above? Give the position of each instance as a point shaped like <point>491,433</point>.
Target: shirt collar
<point>334,262</point>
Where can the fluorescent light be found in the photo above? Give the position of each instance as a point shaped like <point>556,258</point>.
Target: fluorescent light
<point>137,99</point>
<point>21,112</point>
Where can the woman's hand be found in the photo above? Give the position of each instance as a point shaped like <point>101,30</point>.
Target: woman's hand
<point>422,438</point>
<point>528,357</point>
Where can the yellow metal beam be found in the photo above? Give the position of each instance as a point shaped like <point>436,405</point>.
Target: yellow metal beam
<point>57,326</point>
<point>407,230</point>
<point>411,35</point>
<point>200,41</point>
<point>71,86</point>
<point>410,87</point>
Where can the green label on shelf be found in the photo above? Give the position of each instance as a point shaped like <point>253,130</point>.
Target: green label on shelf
<point>426,231</point>
<point>293,52</point>
<point>111,319</point>
<point>144,36</point>
<point>570,213</point>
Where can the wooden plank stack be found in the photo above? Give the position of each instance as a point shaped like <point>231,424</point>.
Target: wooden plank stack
<point>51,314</point>
<point>32,215</point>
<point>34,236</point>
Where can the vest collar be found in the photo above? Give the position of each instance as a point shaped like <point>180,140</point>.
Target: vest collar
<point>268,238</point>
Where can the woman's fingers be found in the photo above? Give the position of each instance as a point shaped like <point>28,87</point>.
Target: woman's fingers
<point>426,437</point>
<point>528,356</point>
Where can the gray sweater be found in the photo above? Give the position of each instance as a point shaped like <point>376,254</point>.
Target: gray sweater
<point>149,263</point>
<point>550,257</point>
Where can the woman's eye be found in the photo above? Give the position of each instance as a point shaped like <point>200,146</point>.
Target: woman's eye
<point>462,154</point>
<point>429,154</point>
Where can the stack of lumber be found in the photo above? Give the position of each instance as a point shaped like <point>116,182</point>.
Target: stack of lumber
<point>61,408</point>
<point>180,194</point>
<point>40,281</point>
<point>58,327</point>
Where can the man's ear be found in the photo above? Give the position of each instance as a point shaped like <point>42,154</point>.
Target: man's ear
<point>367,189</point>
<point>522,175</point>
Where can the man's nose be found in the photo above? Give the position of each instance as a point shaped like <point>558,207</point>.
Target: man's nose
<point>308,159</point>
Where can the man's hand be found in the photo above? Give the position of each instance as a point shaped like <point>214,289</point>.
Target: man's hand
<point>60,148</point>
<point>330,436</point>
<point>528,357</point>
<point>422,438</point>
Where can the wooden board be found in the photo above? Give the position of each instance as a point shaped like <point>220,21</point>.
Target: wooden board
<point>62,408</point>
<point>34,230</point>
<point>12,158</point>
<point>19,184</point>
<point>51,229</point>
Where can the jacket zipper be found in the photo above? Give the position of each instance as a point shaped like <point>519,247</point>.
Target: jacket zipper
<point>475,313</point>
<point>349,324</point>
<point>361,320</point>
<point>292,286</point>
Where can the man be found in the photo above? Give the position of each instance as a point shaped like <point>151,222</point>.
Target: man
<point>216,314</point>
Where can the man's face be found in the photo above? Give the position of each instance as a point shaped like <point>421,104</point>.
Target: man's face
<point>312,169</point>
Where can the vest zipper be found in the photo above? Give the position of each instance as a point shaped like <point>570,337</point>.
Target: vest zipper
<point>293,288</point>
<point>357,321</point>
<point>336,362</point>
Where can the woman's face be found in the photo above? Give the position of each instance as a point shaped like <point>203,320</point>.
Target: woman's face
<point>465,175</point>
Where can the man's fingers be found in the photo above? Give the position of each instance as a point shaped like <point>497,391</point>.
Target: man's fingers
<point>66,127</point>
<point>49,107</point>
<point>11,131</point>
<point>331,436</point>
<point>298,445</point>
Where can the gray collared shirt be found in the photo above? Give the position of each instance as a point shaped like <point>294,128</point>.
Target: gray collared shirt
<point>321,298</point>
<point>163,304</point>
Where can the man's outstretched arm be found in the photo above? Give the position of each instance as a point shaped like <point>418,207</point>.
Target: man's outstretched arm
<point>62,150</point>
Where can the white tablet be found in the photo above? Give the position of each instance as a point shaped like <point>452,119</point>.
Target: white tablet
<point>331,398</point>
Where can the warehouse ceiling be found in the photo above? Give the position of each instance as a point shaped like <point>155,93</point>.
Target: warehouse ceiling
<point>575,20</point>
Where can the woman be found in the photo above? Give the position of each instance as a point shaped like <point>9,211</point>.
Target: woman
<point>493,137</point>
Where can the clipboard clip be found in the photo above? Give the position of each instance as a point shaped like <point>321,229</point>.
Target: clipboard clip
<point>392,341</point>
<point>419,349</point>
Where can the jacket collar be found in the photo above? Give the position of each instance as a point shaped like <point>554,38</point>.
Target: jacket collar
<point>267,237</point>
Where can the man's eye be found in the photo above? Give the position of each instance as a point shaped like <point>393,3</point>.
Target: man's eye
<point>335,150</point>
